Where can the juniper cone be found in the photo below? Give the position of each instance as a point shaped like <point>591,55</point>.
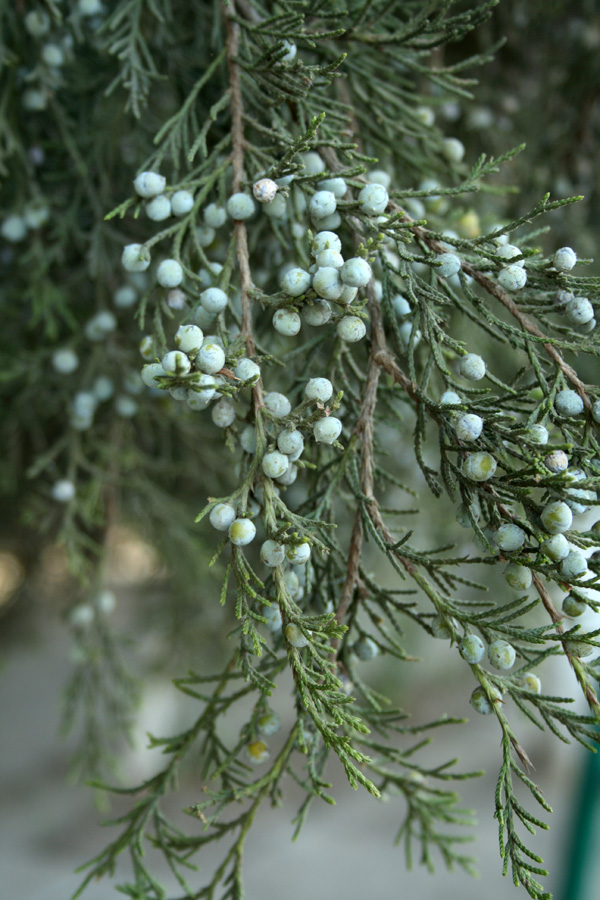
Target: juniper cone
<point>258,275</point>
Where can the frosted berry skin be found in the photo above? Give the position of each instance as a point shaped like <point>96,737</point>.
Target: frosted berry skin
<point>509,537</point>
<point>322,204</point>
<point>273,616</point>
<point>502,655</point>
<point>159,208</point>
<point>264,190</point>
<point>556,517</point>
<point>169,273</point>
<point>294,636</point>
<point>579,648</point>
<point>189,338</point>
<point>325,240</point>
<point>274,464</point>
<point>291,443</point>
<point>450,398</point>
<point>440,629</point>
<point>210,358</point>
<point>135,258</point>
<point>351,329</point>
<point>277,404</point>
<point>579,311</point>
<point>240,206</point>
<point>472,649</point>
<point>537,434</point>
<point>313,164</point>
<point>596,411</point>
<point>373,199</point>
<point>573,607</point>
<point>298,554</point>
<point>573,566</point>
<point>176,363</point>
<point>248,439</point>
<point>327,430</point>
<point>564,259</point>
<point>319,389</point>
<point>449,265</point>
<point>215,216</point>
<point>327,283</point>
<point>65,361</point>
<point>557,461</point>
<point>519,578</point>
<point>221,516</point>
<point>14,229</point>
<point>318,314</point>
<point>295,282</point>
<point>124,297</point>
<point>508,252</point>
<point>472,367</point>
<point>182,202</point>
<point>287,322</point>
<point>480,701</point>
<point>151,373</point>
<point>568,403</point>
<point>223,413</point>
<point>479,467</point>
<point>272,554</point>
<point>365,648</point>
<point>356,272</point>
<point>513,277</point>
<point>149,184</point>
<point>329,259</point>
<point>242,532</point>
<point>247,369</point>
<point>556,547</point>
<point>468,427</point>
<point>213,300</point>
<point>337,186</point>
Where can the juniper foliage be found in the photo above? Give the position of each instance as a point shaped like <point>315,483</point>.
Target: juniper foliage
<point>316,97</point>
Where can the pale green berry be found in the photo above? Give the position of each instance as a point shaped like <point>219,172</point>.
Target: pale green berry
<point>531,682</point>
<point>242,532</point>
<point>440,628</point>
<point>104,388</point>
<point>199,399</point>
<point>257,753</point>
<point>325,240</point>
<point>274,464</point>
<point>322,204</point>
<point>568,403</point>
<point>151,373</point>
<point>65,361</point>
<point>126,407</point>
<point>468,427</point>
<point>294,636</point>
<point>329,259</point>
<point>450,398</point>
<point>287,322</point>
<point>453,149</point>
<point>295,282</point>
<point>277,404</point>
<point>223,413</point>
<point>596,411</point>
<point>293,585</point>
<point>351,329</point>
<point>149,184</point>
<point>319,389</point>
<point>159,208</point>
<point>513,278</point>
<point>221,516</point>
<point>247,369</point>
<point>63,491</point>
<point>182,202</point>
<point>579,648</point>
<point>509,251</point>
<point>356,272</point>
<point>564,259</point>
<point>213,300</point>
<point>326,282</point>
<point>169,273</point>
<point>327,430</point>
<point>379,176</point>
<point>556,517</point>
<point>273,616</point>
<point>537,434</point>
<point>135,258</point>
<point>176,363</point>
<point>272,554</point>
<point>318,313</point>
<point>556,548</point>
<point>291,443</point>
<point>298,554</point>
<point>210,358</point>
<point>472,649</point>
<point>277,208</point>
<point>401,306</point>
<point>373,199</point>
<point>579,311</point>
<point>289,476</point>
<point>518,577</point>
<point>205,235</point>
<point>37,23</point>
<point>240,206</point>
<point>479,466</point>
<point>509,537</point>
<point>472,367</point>
<point>365,648</point>
<point>409,334</point>
<point>425,115</point>
<point>248,439</point>
<point>215,216</point>
<point>268,722</point>
<point>480,700</point>
<point>573,607</point>
<point>14,229</point>
<point>313,164</point>
<point>502,655</point>
<point>462,514</point>
<point>124,297</point>
<point>573,566</point>
<point>449,265</point>
<point>81,616</point>
<point>189,338</point>
<point>337,186</point>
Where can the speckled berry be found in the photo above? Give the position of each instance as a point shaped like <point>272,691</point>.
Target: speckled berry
<point>298,554</point>
<point>568,403</point>
<point>513,278</point>
<point>319,389</point>
<point>277,404</point>
<point>242,532</point>
<point>221,516</point>
<point>564,259</point>
<point>272,554</point>
<point>556,517</point>
<point>481,702</point>
<point>373,199</point>
<point>327,430</point>
<point>479,466</point>
<point>356,272</point>
<point>472,649</point>
<point>169,273</point>
<point>351,329</point>
<point>502,655</point>
<point>509,537</point>
<point>287,322</point>
<point>472,367</point>
<point>295,282</point>
<point>468,427</point>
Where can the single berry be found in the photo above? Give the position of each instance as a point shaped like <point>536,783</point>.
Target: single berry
<point>337,186</point>
<point>277,404</point>
<point>373,199</point>
<point>65,361</point>
<point>579,311</point>
<point>215,216</point>
<point>564,259</point>
<point>159,208</point>
<point>268,722</point>
<point>242,532</point>
<point>537,434</point>
<point>472,367</point>
<point>169,273</point>
<point>568,403</point>
<point>63,491</point>
<point>479,466</point>
<point>472,649</point>
<point>356,272</point>
<point>453,149</point>
<point>513,277</point>
<point>151,373</point>
<point>149,184</point>
<point>557,461</point>
<point>210,358</point>
<point>509,537</point>
<point>295,282</point>
<point>189,338</point>
<point>274,464</point>
<point>223,414</point>
<point>298,554</point>
<point>291,443</point>
<point>556,547</point>
<point>480,700</point>
<point>221,516</point>
<point>240,206</point>
<point>502,655</point>
<point>213,300</point>
<point>573,566</point>
<point>556,517</point>
<point>322,204</point>
<point>317,314</point>
<point>468,427</point>
<point>508,252</point>
<point>257,753</point>
<point>264,190</point>
<point>351,329</point>
<point>449,265</point>
<point>294,636</point>
<point>319,389</point>
<point>327,430</point>
<point>327,283</point>
<point>247,369</point>
<point>518,577</point>
<point>176,363</point>
<point>287,322</point>
<point>182,202</point>
<point>135,258</point>
<point>365,648</point>
<point>531,682</point>
<point>573,607</point>
<point>272,554</point>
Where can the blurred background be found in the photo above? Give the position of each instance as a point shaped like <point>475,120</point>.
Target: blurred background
<point>542,89</point>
